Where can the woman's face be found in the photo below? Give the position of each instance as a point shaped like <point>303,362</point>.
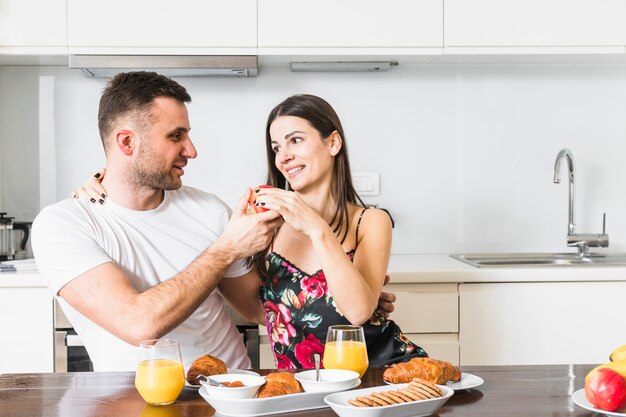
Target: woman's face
<point>301,154</point>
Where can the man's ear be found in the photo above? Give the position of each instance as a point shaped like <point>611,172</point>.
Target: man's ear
<point>335,143</point>
<point>125,141</point>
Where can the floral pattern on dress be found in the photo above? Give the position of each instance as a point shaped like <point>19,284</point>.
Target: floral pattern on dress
<point>299,308</point>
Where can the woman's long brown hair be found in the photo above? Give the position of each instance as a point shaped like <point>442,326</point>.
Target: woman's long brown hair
<point>324,119</point>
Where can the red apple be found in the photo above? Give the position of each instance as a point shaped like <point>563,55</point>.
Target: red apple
<point>606,389</point>
<point>252,199</point>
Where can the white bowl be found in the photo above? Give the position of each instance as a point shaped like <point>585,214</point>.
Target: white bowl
<point>331,380</point>
<point>251,383</point>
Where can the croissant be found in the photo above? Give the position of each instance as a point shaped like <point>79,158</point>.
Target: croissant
<point>432,370</point>
<point>279,383</point>
<point>205,365</point>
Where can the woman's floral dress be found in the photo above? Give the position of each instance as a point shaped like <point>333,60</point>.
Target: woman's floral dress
<point>299,308</point>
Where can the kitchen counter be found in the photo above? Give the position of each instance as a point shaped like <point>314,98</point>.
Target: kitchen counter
<point>432,269</point>
<point>25,276</point>
<point>507,391</point>
<point>443,268</point>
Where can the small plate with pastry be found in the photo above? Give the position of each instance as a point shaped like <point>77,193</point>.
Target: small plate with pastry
<point>432,370</point>
<point>416,398</point>
<point>281,393</point>
<point>208,365</point>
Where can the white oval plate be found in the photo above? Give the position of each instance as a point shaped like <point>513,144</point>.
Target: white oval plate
<point>229,370</point>
<point>467,381</point>
<point>249,407</point>
<point>580,400</point>
<point>339,403</point>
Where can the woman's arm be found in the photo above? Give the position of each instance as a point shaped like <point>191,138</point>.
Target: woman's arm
<point>242,294</point>
<point>355,286</point>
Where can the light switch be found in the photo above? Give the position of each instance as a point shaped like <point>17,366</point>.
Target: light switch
<point>366,183</point>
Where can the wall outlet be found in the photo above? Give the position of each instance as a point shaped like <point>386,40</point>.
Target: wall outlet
<point>366,183</point>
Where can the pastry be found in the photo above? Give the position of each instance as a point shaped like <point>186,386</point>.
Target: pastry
<point>432,370</point>
<point>279,383</point>
<point>206,365</point>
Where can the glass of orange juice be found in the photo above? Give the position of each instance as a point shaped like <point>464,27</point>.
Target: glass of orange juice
<point>160,375</point>
<point>345,349</point>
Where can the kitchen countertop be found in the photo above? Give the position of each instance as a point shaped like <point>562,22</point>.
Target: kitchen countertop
<point>543,390</point>
<point>431,269</point>
<point>443,268</point>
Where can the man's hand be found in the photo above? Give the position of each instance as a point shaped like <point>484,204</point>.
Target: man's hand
<point>247,234</point>
<point>386,300</point>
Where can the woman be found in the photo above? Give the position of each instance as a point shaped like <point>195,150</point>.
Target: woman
<point>327,262</point>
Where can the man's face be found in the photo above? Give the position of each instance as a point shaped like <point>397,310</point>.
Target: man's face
<point>163,150</point>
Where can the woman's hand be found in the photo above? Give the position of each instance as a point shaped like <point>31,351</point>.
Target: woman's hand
<point>291,207</point>
<point>92,189</point>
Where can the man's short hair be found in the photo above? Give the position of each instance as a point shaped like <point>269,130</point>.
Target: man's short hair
<point>132,94</point>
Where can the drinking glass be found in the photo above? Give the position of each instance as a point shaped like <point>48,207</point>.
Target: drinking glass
<point>160,375</point>
<point>345,349</point>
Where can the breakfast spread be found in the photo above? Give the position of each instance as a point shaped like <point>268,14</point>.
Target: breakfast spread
<point>429,369</point>
<point>279,383</point>
<point>418,389</point>
<point>206,365</point>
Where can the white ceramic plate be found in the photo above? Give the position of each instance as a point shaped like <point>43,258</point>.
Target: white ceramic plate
<point>263,406</point>
<point>339,403</point>
<point>229,370</point>
<point>467,381</point>
<point>580,400</point>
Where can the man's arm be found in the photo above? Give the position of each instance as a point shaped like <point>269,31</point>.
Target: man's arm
<point>104,294</point>
<point>386,300</point>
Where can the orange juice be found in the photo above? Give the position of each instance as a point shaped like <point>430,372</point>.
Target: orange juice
<point>348,354</point>
<point>160,381</point>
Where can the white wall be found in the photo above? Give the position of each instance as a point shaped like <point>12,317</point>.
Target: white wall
<point>465,154</point>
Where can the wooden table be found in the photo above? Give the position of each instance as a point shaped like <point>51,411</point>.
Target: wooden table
<point>507,391</point>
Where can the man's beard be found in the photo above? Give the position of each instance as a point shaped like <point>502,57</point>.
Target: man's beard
<point>146,172</point>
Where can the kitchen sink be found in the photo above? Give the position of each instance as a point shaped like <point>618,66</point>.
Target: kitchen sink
<point>486,260</point>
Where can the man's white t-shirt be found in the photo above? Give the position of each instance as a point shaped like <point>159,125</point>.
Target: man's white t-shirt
<point>72,237</point>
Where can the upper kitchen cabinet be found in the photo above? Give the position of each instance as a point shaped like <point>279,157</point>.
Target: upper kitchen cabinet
<point>536,23</point>
<point>350,27</point>
<point>156,27</point>
<point>32,28</point>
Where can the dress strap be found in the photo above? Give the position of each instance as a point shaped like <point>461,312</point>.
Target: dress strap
<point>358,223</point>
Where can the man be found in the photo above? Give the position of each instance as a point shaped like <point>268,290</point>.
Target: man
<point>145,263</point>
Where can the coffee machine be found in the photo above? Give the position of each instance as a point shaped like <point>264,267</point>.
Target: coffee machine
<point>10,242</point>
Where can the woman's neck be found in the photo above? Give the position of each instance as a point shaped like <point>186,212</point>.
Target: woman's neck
<point>322,201</point>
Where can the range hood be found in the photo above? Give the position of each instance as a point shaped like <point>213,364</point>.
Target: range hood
<point>170,65</point>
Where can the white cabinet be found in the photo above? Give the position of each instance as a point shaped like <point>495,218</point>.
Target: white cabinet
<point>534,23</point>
<point>161,26</point>
<point>350,24</point>
<point>27,330</point>
<point>541,323</point>
<point>33,27</point>
<point>428,314</point>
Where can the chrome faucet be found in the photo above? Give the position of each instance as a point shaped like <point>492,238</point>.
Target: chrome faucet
<point>585,240</point>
